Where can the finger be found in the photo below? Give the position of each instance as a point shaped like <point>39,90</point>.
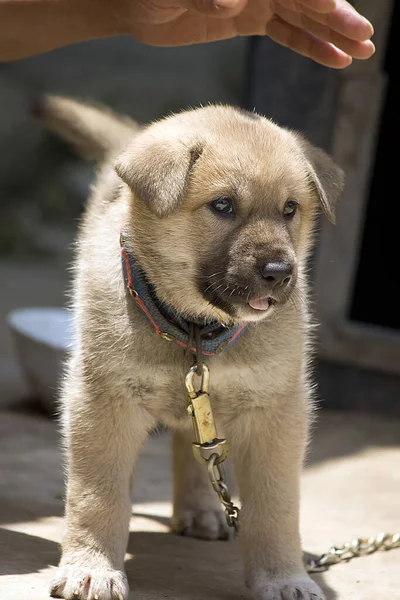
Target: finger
<point>223,9</point>
<point>344,20</point>
<point>305,43</point>
<point>360,50</point>
<point>320,6</point>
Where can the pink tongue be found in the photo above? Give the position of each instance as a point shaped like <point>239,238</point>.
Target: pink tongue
<point>259,303</point>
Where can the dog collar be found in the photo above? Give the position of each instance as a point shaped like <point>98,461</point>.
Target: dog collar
<point>214,336</point>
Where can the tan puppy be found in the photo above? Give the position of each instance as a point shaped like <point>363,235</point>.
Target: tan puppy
<point>217,208</point>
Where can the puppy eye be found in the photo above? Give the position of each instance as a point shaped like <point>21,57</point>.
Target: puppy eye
<point>223,206</point>
<point>290,208</point>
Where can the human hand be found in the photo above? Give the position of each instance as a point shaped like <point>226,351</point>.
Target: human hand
<point>329,32</point>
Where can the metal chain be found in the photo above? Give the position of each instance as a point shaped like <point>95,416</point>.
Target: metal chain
<point>207,441</point>
<point>216,474</point>
<point>357,547</point>
<point>335,554</point>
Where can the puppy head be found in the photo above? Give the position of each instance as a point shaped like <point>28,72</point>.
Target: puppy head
<point>222,205</point>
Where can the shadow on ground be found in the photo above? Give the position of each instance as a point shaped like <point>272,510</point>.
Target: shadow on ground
<point>161,565</point>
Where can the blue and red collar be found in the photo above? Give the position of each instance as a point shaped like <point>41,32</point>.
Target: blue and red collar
<point>214,337</point>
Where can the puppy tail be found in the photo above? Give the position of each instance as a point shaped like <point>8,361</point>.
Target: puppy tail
<point>94,131</point>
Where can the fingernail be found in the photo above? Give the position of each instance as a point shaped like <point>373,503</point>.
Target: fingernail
<point>371,46</point>
<point>226,3</point>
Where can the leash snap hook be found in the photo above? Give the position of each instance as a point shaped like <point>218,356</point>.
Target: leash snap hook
<point>204,384</point>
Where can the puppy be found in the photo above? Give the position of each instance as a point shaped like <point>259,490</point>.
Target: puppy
<point>214,209</point>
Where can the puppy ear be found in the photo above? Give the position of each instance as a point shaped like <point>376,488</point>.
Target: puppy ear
<point>157,171</point>
<point>327,178</point>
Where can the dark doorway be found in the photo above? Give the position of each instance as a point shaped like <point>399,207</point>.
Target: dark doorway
<point>376,299</point>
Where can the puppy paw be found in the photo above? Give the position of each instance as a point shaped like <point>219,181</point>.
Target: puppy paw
<point>295,588</point>
<point>73,583</point>
<point>201,524</point>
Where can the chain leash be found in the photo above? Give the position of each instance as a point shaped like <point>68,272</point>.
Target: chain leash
<point>212,451</point>
<point>208,448</point>
<point>357,547</point>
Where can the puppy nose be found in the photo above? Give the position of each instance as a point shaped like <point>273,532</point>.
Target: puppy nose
<point>276,272</point>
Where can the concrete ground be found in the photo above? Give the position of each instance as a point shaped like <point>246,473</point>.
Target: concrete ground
<point>350,488</point>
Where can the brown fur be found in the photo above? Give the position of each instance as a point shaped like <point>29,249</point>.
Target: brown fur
<point>123,378</point>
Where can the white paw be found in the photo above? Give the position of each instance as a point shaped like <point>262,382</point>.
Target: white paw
<point>202,524</point>
<point>295,588</point>
<point>73,583</point>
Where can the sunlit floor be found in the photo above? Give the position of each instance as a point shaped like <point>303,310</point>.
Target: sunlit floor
<point>351,488</point>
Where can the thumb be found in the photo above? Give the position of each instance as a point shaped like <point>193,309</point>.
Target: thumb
<point>222,9</point>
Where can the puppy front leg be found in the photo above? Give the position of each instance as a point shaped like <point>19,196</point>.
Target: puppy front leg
<point>104,435</point>
<point>267,448</point>
<point>197,510</point>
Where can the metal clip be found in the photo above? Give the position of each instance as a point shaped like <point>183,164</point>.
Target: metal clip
<point>205,381</point>
<point>203,420</point>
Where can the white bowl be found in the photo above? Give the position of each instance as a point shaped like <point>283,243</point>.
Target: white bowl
<point>43,340</point>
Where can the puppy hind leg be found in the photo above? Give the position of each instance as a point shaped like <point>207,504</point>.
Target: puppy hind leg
<point>197,510</point>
